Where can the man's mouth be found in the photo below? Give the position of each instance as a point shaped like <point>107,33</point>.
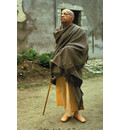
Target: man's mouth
<point>62,19</point>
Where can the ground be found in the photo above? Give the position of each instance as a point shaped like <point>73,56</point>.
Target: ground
<point>31,95</point>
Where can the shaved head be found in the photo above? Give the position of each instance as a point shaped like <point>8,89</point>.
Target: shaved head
<point>67,17</point>
<point>71,12</point>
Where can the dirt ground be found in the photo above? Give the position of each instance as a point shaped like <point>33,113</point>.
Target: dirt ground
<point>30,104</point>
<point>30,72</point>
<point>32,83</point>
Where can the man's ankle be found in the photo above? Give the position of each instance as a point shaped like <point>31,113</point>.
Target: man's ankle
<point>75,113</point>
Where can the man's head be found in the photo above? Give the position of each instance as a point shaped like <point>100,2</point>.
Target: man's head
<point>67,16</point>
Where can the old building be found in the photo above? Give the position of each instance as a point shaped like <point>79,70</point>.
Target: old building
<point>37,20</point>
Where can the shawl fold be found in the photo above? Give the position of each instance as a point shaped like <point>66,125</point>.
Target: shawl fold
<point>71,53</point>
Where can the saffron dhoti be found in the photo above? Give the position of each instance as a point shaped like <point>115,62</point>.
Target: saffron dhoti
<point>65,96</point>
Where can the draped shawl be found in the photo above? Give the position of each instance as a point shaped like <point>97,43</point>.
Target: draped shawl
<point>71,53</point>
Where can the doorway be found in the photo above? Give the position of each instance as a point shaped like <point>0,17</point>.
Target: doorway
<point>77,17</point>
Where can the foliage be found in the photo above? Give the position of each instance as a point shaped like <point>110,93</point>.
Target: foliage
<point>18,59</point>
<point>51,54</point>
<point>30,54</point>
<point>45,59</point>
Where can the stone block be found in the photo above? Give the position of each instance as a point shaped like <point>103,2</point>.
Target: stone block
<point>83,17</point>
<point>82,13</point>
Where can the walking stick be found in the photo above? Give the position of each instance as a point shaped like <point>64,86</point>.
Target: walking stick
<point>47,98</point>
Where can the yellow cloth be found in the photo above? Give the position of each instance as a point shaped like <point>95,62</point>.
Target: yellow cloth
<point>65,96</point>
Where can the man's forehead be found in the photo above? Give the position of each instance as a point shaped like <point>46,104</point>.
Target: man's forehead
<point>66,11</point>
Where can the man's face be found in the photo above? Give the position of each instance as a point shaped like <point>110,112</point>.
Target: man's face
<point>66,17</point>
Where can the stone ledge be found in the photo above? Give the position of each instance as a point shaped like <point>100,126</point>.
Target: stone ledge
<point>70,6</point>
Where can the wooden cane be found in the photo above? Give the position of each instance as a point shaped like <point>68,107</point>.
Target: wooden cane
<point>47,98</point>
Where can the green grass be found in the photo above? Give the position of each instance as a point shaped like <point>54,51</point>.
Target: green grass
<point>91,75</point>
<point>25,86</point>
<point>30,54</point>
<point>45,58</point>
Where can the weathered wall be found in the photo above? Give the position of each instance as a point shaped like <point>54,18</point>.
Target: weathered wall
<point>37,23</point>
<point>93,21</point>
<point>73,2</point>
<point>36,30</point>
<point>93,10</point>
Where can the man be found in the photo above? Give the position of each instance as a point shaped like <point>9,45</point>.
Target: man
<point>70,55</point>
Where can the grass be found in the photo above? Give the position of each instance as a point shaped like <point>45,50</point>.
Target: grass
<point>25,86</point>
<point>91,76</point>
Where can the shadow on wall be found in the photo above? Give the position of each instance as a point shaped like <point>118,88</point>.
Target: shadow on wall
<point>95,47</point>
<point>23,30</point>
<point>95,40</point>
<point>37,30</point>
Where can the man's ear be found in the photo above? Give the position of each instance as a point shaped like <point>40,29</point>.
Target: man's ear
<point>72,19</point>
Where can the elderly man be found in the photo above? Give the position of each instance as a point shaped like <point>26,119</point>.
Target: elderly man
<point>70,55</point>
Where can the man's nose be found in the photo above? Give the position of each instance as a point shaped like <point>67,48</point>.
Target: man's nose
<point>62,15</point>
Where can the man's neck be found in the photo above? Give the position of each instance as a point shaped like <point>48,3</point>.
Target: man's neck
<point>66,24</point>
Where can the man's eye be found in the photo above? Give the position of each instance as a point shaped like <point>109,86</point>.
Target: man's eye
<point>64,14</point>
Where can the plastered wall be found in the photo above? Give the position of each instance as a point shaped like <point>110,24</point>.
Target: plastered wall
<point>37,20</point>
<point>36,25</point>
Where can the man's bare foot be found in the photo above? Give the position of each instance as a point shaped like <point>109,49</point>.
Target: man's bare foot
<point>65,118</point>
<point>79,117</point>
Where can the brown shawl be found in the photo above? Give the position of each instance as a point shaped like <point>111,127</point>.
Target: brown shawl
<point>70,55</point>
